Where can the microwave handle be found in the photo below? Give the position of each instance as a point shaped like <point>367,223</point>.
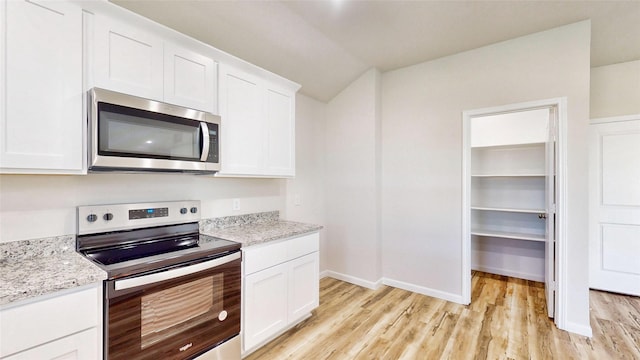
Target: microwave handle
<point>174,273</point>
<point>205,141</point>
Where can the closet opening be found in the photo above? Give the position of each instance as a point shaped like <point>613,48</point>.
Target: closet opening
<point>513,188</point>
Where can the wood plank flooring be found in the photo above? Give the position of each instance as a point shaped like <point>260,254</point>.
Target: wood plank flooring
<point>506,320</point>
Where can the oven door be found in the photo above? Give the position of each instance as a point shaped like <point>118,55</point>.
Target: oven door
<point>173,314</point>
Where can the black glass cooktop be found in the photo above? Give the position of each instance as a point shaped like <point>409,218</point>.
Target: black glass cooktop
<point>142,250</point>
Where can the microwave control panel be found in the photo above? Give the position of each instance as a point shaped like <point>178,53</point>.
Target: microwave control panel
<point>213,144</point>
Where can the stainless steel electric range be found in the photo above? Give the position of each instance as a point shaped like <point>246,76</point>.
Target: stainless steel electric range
<point>171,292</point>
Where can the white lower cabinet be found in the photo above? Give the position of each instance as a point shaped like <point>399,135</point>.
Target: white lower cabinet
<point>265,304</point>
<point>281,287</point>
<point>78,346</point>
<point>61,327</point>
<point>303,285</point>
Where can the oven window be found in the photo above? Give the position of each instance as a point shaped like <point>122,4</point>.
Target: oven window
<point>173,311</point>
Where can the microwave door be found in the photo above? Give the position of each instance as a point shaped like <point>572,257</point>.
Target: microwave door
<point>130,134</point>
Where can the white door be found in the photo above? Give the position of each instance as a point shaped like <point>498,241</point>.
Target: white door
<point>550,193</point>
<point>614,225</point>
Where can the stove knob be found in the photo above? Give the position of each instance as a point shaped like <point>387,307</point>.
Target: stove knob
<point>183,211</point>
<point>194,210</point>
<point>108,216</point>
<point>92,217</point>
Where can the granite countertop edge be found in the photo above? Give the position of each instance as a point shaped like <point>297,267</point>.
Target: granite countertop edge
<point>34,268</point>
<point>255,234</point>
<point>40,267</point>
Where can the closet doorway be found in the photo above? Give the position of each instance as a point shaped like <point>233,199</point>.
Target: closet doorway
<point>513,191</point>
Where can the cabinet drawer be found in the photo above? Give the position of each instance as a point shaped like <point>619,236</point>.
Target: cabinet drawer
<point>259,257</point>
<point>80,346</point>
<point>303,245</point>
<point>23,327</point>
<point>264,256</point>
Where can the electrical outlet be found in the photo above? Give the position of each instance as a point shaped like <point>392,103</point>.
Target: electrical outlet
<point>297,201</point>
<point>236,204</point>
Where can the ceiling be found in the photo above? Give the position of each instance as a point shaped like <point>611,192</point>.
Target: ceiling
<point>325,45</point>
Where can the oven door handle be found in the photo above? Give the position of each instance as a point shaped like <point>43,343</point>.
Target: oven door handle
<point>174,273</point>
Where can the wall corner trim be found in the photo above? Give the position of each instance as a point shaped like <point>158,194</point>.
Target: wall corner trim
<point>373,285</point>
<point>605,120</point>
<point>580,329</point>
<point>456,298</point>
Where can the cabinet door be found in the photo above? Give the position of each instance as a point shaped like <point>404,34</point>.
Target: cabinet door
<point>27,326</point>
<point>189,79</point>
<point>242,130</point>
<point>303,286</point>
<point>280,116</point>
<point>127,59</point>
<point>41,87</point>
<point>265,310</point>
<point>81,346</point>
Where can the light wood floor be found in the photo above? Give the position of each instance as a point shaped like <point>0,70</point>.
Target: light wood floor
<point>506,320</point>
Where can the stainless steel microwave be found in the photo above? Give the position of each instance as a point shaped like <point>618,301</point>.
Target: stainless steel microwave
<point>129,133</point>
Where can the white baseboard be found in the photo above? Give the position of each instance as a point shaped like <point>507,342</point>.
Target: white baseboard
<point>584,330</point>
<point>394,283</point>
<point>352,279</point>
<point>424,290</point>
<point>515,274</point>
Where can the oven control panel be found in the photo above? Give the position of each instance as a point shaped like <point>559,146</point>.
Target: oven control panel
<point>148,213</point>
<point>113,217</point>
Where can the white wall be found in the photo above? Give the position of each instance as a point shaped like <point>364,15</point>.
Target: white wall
<point>422,109</point>
<point>34,206</point>
<point>615,90</point>
<point>308,185</point>
<point>352,181</point>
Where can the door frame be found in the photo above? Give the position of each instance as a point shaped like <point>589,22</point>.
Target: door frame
<point>561,188</point>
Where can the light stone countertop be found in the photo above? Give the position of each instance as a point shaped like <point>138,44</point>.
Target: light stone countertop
<point>252,229</point>
<point>32,268</point>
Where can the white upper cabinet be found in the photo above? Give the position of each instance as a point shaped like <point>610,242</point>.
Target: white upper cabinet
<point>127,59</point>
<point>190,79</point>
<point>280,117</point>
<point>41,127</point>
<point>134,61</point>
<point>243,125</point>
<point>258,131</point>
